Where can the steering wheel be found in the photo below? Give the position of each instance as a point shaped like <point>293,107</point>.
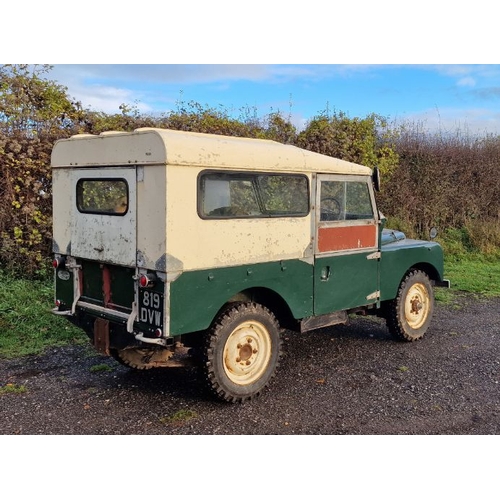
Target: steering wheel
<point>330,209</point>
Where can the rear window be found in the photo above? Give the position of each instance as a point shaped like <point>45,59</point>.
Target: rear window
<point>102,196</point>
<point>249,195</point>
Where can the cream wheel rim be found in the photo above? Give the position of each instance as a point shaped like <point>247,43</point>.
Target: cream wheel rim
<point>417,306</point>
<point>247,353</point>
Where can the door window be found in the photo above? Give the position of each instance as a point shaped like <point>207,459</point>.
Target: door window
<point>345,200</point>
<point>346,219</point>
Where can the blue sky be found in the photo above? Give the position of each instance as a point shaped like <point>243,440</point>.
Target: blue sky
<point>448,97</point>
<point>429,62</point>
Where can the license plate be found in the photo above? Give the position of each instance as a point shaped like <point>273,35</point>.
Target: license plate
<point>151,308</point>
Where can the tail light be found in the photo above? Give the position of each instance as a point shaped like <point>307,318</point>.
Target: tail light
<point>58,262</point>
<point>147,280</point>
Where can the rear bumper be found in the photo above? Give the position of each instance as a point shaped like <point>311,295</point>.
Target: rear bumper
<point>113,316</point>
<point>443,284</point>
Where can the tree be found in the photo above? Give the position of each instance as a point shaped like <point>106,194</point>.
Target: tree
<point>34,113</point>
<point>367,141</point>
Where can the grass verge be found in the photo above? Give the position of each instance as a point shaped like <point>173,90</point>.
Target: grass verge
<point>26,324</point>
<point>475,274</point>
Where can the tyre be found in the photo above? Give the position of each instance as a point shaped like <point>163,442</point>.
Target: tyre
<point>142,359</point>
<point>410,313</point>
<point>242,352</point>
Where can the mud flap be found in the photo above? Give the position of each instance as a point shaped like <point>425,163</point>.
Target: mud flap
<point>101,336</point>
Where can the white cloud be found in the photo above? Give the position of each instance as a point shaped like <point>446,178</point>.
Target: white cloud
<point>468,81</point>
<point>107,99</point>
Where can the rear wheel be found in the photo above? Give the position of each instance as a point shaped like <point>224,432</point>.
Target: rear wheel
<point>242,352</point>
<point>142,359</point>
<point>410,313</point>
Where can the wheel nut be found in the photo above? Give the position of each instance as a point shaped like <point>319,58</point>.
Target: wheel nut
<point>247,363</point>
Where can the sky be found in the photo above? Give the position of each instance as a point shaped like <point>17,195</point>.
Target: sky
<point>445,97</point>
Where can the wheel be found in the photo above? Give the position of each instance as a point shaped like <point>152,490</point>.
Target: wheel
<point>241,352</point>
<point>142,359</point>
<point>330,209</point>
<point>410,313</point>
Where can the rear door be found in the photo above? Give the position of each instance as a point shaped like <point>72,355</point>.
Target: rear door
<point>346,254</point>
<point>104,218</point>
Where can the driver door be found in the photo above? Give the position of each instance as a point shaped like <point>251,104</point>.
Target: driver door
<point>347,256</point>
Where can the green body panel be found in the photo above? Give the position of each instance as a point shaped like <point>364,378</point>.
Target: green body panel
<point>64,288</point>
<point>121,284</point>
<point>344,282</point>
<point>91,285</point>
<point>398,257</point>
<point>197,296</point>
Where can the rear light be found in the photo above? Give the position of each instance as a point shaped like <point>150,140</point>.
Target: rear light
<point>158,332</point>
<point>58,262</point>
<point>61,306</point>
<point>147,280</point>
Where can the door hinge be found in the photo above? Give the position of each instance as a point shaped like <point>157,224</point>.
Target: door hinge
<point>373,296</point>
<point>374,255</point>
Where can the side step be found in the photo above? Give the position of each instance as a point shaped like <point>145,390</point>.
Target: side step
<point>315,322</point>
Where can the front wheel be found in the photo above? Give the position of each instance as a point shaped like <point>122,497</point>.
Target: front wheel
<point>410,313</point>
<point>242,352</point>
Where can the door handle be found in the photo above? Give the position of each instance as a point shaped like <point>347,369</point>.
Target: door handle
<point>325,273</point>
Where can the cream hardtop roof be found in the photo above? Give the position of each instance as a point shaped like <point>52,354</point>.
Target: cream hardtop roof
<point>153,146</point>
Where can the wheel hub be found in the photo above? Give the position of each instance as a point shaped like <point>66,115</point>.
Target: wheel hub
<point>247,353</point>
<point>417,306</point>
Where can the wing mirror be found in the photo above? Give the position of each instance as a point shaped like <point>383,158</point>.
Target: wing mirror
<point>376,179</point>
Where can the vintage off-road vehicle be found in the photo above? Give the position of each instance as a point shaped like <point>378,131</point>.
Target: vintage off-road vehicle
<point>169,242</point>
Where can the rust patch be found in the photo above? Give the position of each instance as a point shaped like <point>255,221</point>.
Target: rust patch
<point>106,287</point>
<point>334,239</point>
<point>101,336</point>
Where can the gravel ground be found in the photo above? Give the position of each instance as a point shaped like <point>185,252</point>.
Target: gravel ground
<point>351,379</point>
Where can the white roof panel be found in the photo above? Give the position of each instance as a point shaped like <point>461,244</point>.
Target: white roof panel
<point>162,146</point>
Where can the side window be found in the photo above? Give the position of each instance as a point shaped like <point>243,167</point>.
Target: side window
<point>345,200</point>
<point>249,195</point>
<point>102,196</point>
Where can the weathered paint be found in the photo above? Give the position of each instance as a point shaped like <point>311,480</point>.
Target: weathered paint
<point>337,238</point>
<point>100,237</point>
<point>195,297</point>
<point>152,146</point>
<point>152,216</point>
<point>196,243</point>
<point>63,203</point>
